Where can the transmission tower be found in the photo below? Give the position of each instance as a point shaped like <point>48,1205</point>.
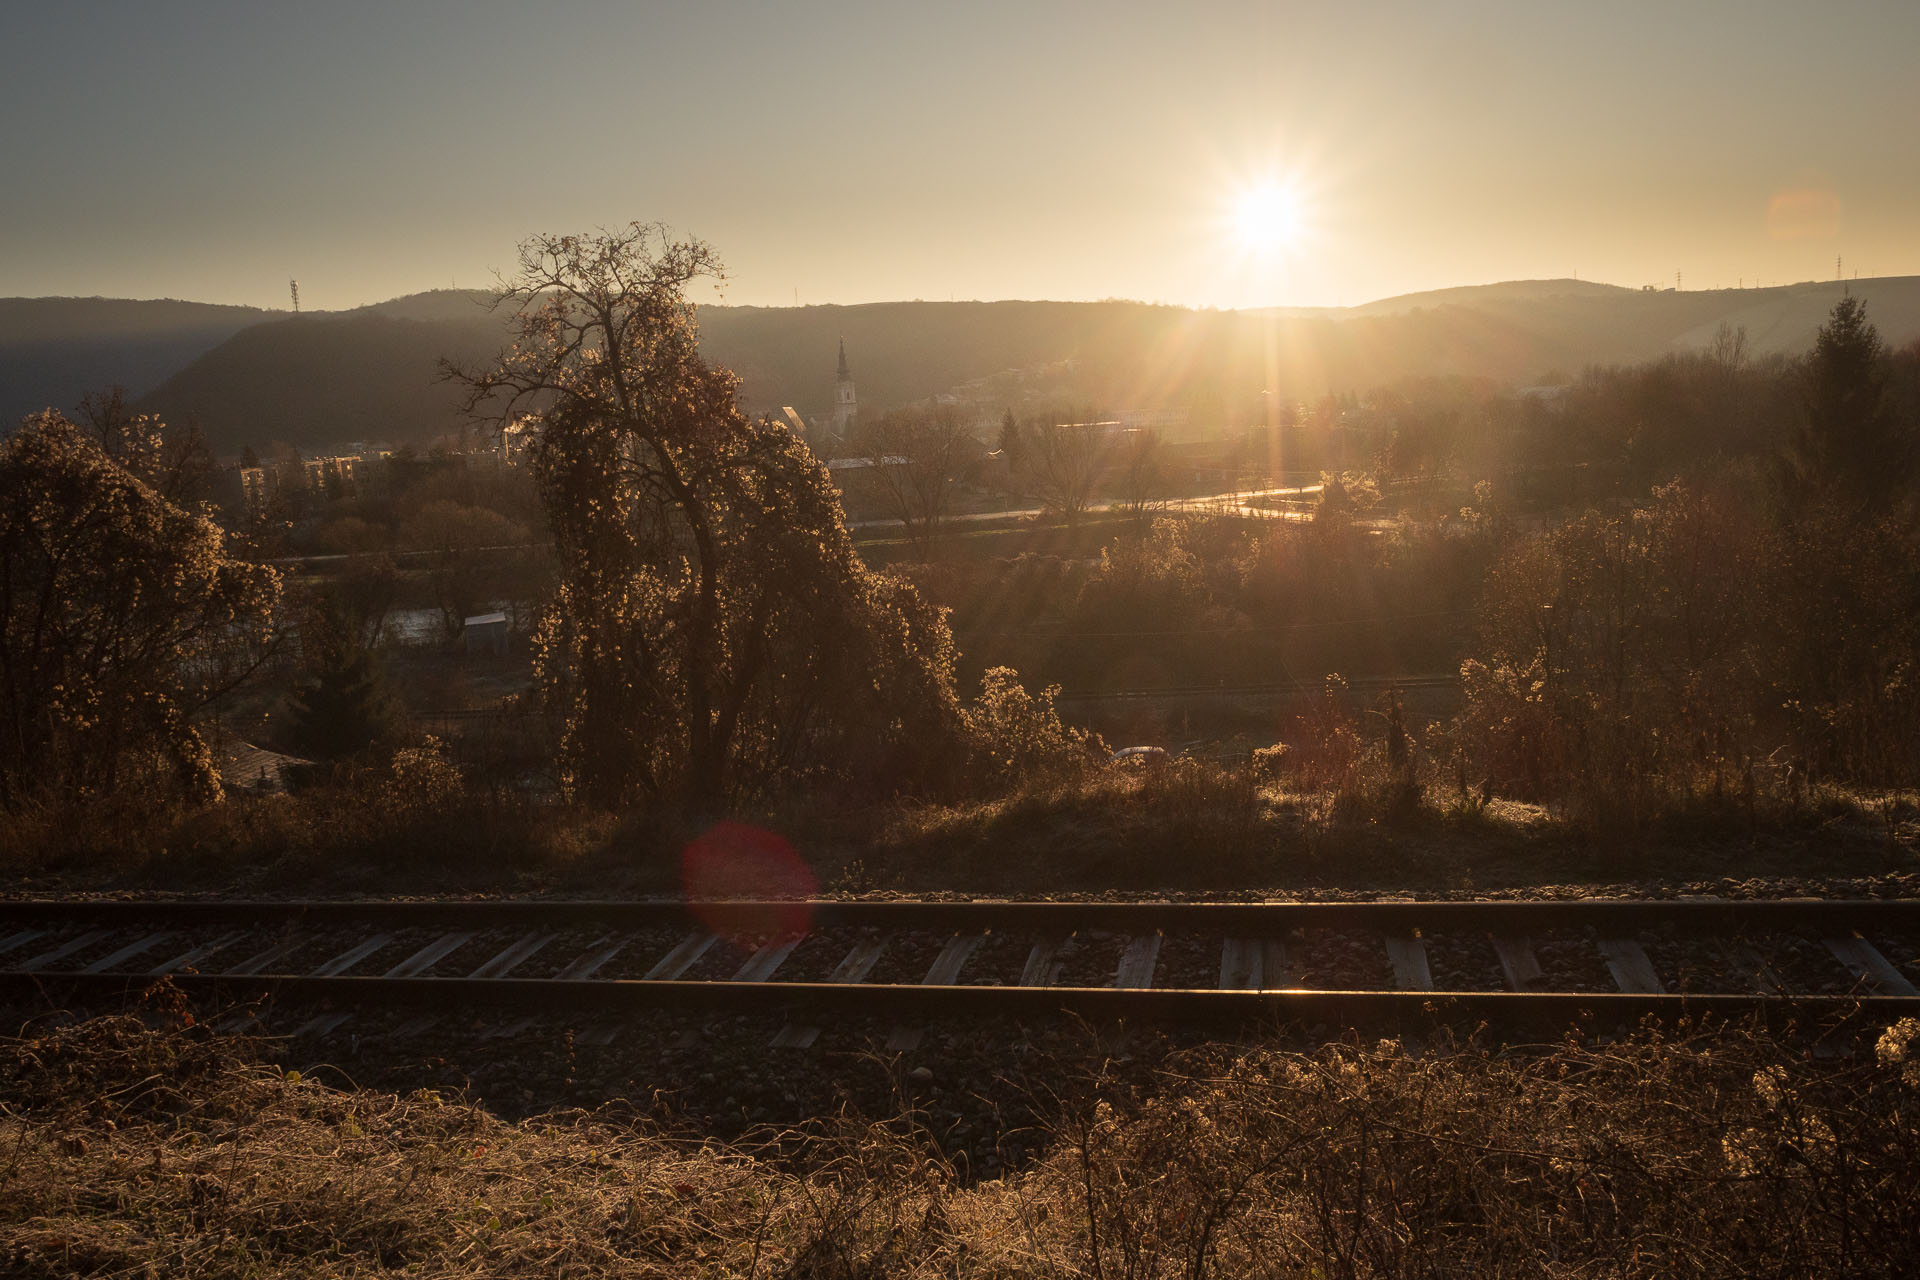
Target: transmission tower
<point>293,287</point>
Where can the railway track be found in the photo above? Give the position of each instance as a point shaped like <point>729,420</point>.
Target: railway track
<point>808,965</point>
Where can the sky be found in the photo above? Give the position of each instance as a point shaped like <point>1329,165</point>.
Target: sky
<point>1206,154</point>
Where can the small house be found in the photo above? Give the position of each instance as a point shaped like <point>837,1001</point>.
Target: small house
<point>486,633</point>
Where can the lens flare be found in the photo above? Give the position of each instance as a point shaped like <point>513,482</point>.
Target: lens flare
<point>765,879</point>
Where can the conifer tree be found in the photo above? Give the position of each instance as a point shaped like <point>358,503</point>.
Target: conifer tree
<point>1850,448</point>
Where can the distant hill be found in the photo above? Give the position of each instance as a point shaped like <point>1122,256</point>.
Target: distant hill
<point>258,377</point>
<point>1134,355</point>
<point>317,380</point>
<point>55,350</point>
<point>1616,324</point>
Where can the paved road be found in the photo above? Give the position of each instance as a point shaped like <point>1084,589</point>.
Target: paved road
<point>1238,501</point>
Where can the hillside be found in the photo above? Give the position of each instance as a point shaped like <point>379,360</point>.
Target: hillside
<point>250,377</point>
<point>325,379</point>
<point>1132,355</point>
<point>55,350</point>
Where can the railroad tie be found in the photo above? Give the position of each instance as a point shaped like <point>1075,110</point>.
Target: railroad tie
<point>685,954</point>
<point>1135,971</point>
<point>14,941</point>
<point>1632,971</point>
<point>193,955</point>
<point>1043,967</point>
<point>854,967</point>
<point>272,955</point>
<point>65,949</point>
<point>428,956</point>
<point>1867,965</point>
<point>1408,955</point>
<point>943,972</point>
<point>116,959</point>
<point>1517,962</point>
<point>320,1026</point>
<point>596,956</point>
<point>1255,964</point>
<point>760,965</point>
<point>352,956</point>
<point>513,956</point>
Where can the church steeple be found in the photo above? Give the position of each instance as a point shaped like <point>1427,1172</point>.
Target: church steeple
<point>846,408</point>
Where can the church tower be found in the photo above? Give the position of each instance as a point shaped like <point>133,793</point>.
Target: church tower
<point>845,408</point>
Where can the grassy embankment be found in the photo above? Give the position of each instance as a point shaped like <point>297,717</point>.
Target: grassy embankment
<point>130,1151</point>
<point>1190,829</point>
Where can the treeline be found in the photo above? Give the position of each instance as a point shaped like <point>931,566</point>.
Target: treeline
<point>1752,626</point>
<point>1724,607</point>
<point>1720,602</point>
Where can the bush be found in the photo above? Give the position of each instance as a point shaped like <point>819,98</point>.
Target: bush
<point>1018,739</point>
<point>1327,749</point>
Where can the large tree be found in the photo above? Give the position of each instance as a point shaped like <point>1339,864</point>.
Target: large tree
<point>917,455</point>
<point>1059,460</point>
<point>713,636</point>
<point>1851,448</point>
<point>121,616</point>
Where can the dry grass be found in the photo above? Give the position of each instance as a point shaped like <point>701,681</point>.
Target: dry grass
<point>126,1151</point>
<point>1186,827</point>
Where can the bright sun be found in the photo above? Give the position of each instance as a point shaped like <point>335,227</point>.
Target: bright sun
<point>1269,218</point>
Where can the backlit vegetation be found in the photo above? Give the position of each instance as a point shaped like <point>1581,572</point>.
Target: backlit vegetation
<point>1714,1155</point>
<point>1674,594</point>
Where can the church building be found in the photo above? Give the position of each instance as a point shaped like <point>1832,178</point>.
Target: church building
<point>846,410</point>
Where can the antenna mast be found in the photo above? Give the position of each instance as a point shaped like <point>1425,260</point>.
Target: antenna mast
<point>293,286</point>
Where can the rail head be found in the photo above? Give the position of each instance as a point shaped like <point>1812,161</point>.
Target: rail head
<point>1174,1006</point>
<point>1700,916</point>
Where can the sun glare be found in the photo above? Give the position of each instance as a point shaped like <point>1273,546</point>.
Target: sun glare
<point>1269,218</point>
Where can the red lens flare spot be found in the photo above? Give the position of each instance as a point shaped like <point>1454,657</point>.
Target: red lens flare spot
<point>759,870</point>
<point>1803,213</point>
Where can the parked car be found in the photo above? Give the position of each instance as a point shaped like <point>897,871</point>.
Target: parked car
<point>1139,757</point>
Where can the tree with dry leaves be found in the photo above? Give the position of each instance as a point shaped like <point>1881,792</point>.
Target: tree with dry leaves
<point>121,616</point>
<point>714,637</point>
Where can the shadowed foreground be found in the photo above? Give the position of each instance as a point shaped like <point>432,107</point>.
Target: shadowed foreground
<point>1715,1155</point>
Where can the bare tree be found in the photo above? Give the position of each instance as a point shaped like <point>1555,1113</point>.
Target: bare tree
<point>1061,457</point>
<point>916,455</point>
<point>1141,476</point>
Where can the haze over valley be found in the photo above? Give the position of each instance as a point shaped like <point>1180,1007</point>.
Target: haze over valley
<point>1255,638</point>
<point>257,377</point>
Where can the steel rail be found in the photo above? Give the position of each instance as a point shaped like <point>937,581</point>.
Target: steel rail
<point>1187,1006</point>
<point>1701,916</point>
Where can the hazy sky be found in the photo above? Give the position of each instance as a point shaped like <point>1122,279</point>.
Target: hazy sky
<point>858,152</point>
